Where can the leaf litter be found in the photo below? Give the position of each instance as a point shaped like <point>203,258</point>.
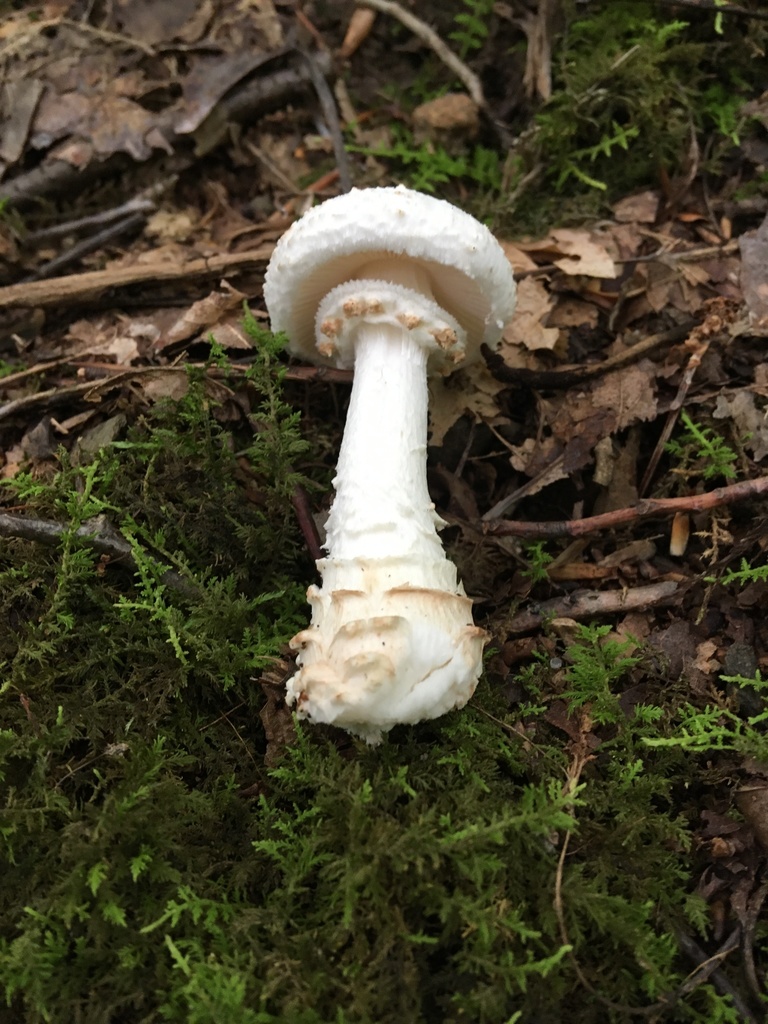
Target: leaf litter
<point>150,94</point>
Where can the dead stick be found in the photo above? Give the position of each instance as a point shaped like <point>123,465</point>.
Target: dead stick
<point>307,524</point>
<point>112,376</point>
<point>99,535</point>
<point>586,604</point>
<point>620,517</point>
<point>309,374</point>
<point>567,376</point>
<point>58,291</point>
<point>85,246</point>
<point>715,8</point>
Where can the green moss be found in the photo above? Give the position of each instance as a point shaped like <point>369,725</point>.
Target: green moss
<point>154,869</point>
<point>639,91</point>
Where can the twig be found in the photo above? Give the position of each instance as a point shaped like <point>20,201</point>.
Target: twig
<point>720,314</point>
<point>567,376</point>
<point>331,114</point>
<point>33,371</point>
<point>112,376</point>
<point>714,8</point>
<point>752,917</point>
<point>620,517</point>
<point>72,288</point>
<point>16,42</point>
<point>52,396</point>
<point>308,374</point>
<point>552,470</point>
<point>87,245</point>
<point>144,202</point>
<point>708,968</point>
<point>94,220</point>
<point>428,35</point>
<point>307,525</point>
<point>586,604</point>
<point>98,534</point>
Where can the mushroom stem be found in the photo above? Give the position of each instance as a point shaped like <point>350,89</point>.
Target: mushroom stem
<point>382,507</point>
<point>391,638</point>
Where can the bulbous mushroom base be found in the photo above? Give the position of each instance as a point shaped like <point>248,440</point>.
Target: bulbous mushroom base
<point>371,660</point>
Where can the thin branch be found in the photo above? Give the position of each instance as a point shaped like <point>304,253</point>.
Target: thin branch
<point>307,524</point>
<point>72,288</point>
<point>331,115</point>
<point>143,202</point>
<point>428,35</point>
<point>713,8</point>
<point>587,604</point>
<point>111,375</point>
<point>97,534</point>
<point>620,517</point>
<point>567,376</point>
<point>88,245</point>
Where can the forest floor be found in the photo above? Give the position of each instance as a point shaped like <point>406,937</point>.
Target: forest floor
<point>586,841</point>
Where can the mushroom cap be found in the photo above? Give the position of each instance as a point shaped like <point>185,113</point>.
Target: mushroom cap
<point>468,273</point>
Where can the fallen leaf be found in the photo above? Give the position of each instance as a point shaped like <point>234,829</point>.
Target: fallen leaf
<point>526,328</point>
<point>582,254</point>
<point>19,104</point>
<point>207,82</point>
<point>453,112</point>
<point>203,315</point>
<point>571,312</point>
<point>521,262</point>
<point>575,252</point>
<point>641,208</point>
<point>629,393</point>
<point>359,27</point>
<point>754,280</point>
<point>170,225</point>
<point>470,390</point>
<point>704,660</point>
<point>750,422</point>
<point>152,21</point>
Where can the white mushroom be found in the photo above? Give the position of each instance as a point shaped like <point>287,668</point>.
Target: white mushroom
<point>396,284</point>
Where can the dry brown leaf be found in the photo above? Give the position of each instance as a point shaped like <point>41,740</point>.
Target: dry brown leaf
<point>471,390</point>
<point>204,315</point>
<point>582,255</point>
<point>453,112</point>
<point>640,208</point>
<point>571,312</point>
<point>521,262</point>
<point>359,27</point>
<point>152,21</point>
<point>209,79</point>
<point>704,661</point>
<point>123,339</point>
<point>170,225</point>
<point>628,393</point>
<point>264,18</point>
<point>754,277</point>
<point>195,27</point>
<point>526,327</point>
<point>13,460</point>
<point>165,385</point>
<point>19,104</point>
<point>750,422</point>
<point>575,252</point>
